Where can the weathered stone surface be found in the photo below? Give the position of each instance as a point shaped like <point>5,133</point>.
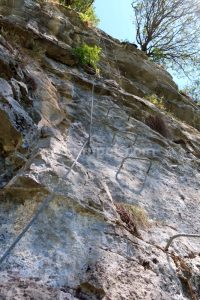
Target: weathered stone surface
<point>17,288</point>
<point>79,248</point>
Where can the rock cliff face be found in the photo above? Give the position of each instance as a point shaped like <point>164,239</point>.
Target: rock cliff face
<point>82,246</point>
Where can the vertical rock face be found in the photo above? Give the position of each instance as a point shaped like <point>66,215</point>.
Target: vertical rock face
<point>82,246</point>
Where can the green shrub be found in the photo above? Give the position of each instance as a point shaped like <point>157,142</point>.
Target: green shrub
<point>154,99</point>
<point>88,55</point>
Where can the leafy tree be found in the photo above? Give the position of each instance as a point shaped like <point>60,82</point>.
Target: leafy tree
<point>193,90</point>
<point>168,30</point>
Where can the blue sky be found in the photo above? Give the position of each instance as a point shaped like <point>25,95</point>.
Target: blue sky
<point>116,18</point>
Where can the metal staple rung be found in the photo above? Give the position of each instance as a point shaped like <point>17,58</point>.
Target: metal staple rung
<point>134,158</point>
<point>180,235</point>
<point>150,164</point>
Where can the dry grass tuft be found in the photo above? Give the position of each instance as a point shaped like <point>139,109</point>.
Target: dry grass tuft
<point>134,217</point>
<point>158,124</point>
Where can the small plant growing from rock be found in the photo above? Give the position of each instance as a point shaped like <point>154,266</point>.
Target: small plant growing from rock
<point>133,215</point>
<point>154,99</point>
<point>158,124</point>
<point>85,9</point>
<point>88,57</point>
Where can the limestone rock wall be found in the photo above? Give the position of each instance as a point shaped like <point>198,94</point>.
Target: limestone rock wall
<point>80,247</point>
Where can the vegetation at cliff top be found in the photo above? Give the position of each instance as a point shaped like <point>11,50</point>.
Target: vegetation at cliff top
<point>89,17</point>
<point>85,8</point>
<point>168,32</point>
<point>79,5</point>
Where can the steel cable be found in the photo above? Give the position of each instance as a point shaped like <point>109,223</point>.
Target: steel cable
<point>48,199</point>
